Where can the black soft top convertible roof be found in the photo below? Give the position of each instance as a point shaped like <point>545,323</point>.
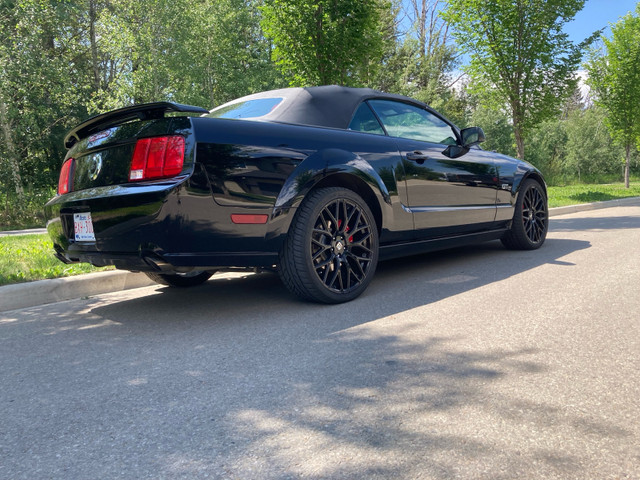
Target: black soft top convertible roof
<point>326,106</point>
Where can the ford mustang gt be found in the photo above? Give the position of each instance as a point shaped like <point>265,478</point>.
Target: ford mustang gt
<point>317,183</point>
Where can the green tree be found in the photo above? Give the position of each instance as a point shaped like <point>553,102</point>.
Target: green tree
<point>575,145</point>
<point>590,152</point>
<point>225,52</point>
<point>203,53</point>
<point>37,84</point>
<point>317,42</point>
<point>497,128</point>
<point>614,77</point>
<point>548,149</point>
<point>519,55</point>
<point>421,62</point>
<point>61,61</point>
<point>434,56</point>
<point>392,59</point>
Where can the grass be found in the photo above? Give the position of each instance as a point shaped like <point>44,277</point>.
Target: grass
<point>25,258</point>
<point>581,193</point>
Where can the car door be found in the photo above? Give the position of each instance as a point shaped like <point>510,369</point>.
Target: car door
<point>450,189</point>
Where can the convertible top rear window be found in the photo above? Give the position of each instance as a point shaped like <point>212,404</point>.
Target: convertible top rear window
<point>258,107</point>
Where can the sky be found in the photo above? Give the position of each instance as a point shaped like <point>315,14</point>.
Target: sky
<point>597,14</point>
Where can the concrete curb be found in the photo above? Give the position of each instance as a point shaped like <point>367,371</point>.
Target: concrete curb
<point>23,295</point>
<point>594,206</point>
<point>31,294</point>
<point>32,231</point>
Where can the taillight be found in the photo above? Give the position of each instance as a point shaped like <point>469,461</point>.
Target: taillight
<point>157,157</point>
<point>65,182</point>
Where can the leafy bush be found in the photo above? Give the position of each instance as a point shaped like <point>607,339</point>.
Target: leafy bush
<point>28,213</point>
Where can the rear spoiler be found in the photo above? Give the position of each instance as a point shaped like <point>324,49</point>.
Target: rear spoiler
<point>143,111</point>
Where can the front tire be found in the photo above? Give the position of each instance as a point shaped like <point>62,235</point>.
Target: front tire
<point>182,280</point>
<point>530,219</point>
<point>331,251</point>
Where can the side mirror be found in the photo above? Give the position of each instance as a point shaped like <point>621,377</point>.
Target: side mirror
<point>472,136</point>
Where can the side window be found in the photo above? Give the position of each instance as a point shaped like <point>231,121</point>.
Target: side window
<point>365,121</point>
<point>407,121</point>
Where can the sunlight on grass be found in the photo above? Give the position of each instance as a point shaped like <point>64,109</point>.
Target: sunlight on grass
<point>25,258</point>
<point>576,194</point>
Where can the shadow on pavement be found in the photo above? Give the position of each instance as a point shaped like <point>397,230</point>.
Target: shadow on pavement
<point>237,379</point>
<point>559,224</point>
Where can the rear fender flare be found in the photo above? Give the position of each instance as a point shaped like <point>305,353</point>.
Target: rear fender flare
<point>320,168</point>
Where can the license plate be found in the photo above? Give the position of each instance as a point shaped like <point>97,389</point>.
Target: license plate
<point>83,227</point>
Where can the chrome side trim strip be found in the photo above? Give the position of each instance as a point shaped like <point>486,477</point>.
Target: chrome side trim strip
<point>447,209</point>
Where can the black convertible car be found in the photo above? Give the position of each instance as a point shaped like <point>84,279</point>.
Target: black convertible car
<point>319,183</point>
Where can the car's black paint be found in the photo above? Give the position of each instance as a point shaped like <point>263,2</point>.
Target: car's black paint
<point>421,195</point>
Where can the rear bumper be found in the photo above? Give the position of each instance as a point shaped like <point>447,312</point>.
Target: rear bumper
<point>160,227</point>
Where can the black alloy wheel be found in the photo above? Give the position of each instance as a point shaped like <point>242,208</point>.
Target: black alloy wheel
<point>189,279</point>
<point>530,220</point>
<point>331,251</point>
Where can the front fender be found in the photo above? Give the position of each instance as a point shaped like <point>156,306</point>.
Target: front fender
<point>522,174</point>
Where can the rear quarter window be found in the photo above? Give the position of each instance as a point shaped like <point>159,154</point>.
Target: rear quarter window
<point>246,109</point>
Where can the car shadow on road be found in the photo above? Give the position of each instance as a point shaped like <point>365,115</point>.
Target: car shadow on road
<point>399,285</point>
<point>605,222</point>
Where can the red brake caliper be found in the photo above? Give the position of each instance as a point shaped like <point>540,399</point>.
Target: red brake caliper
<point>345,230</point>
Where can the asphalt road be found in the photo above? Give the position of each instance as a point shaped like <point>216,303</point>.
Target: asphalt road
<point>474,363</point>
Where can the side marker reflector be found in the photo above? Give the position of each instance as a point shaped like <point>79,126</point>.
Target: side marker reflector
<point>243,218</point>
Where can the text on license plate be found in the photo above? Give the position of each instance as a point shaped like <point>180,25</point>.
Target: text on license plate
<point>83,227</point>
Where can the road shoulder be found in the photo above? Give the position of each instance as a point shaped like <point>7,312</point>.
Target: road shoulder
<point>41,292</point>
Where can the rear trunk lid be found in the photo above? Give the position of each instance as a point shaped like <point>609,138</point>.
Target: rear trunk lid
<point>103,146</point>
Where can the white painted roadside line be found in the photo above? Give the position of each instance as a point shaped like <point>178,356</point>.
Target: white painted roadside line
<point>31,294</point>
<point>23,295</point>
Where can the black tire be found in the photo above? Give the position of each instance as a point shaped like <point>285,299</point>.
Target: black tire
<point>181,280</point>
<point>331,251</point>
<point>530,219</point>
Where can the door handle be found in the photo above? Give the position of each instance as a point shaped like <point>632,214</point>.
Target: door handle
<point>417,157</point>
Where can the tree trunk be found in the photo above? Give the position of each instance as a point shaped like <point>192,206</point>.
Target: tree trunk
<point>93,16</point>
<point>12,156</point>
<point>627,165</point>
<point>517,131</point>
<point>319,46</point>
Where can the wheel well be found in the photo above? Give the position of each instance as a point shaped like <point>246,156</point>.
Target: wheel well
<point>358,186</point>
<point>535,176</point>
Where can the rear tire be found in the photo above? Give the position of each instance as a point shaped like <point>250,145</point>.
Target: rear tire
<point>331,251</point>
<point>530,219</point>
<point>181,280</point>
